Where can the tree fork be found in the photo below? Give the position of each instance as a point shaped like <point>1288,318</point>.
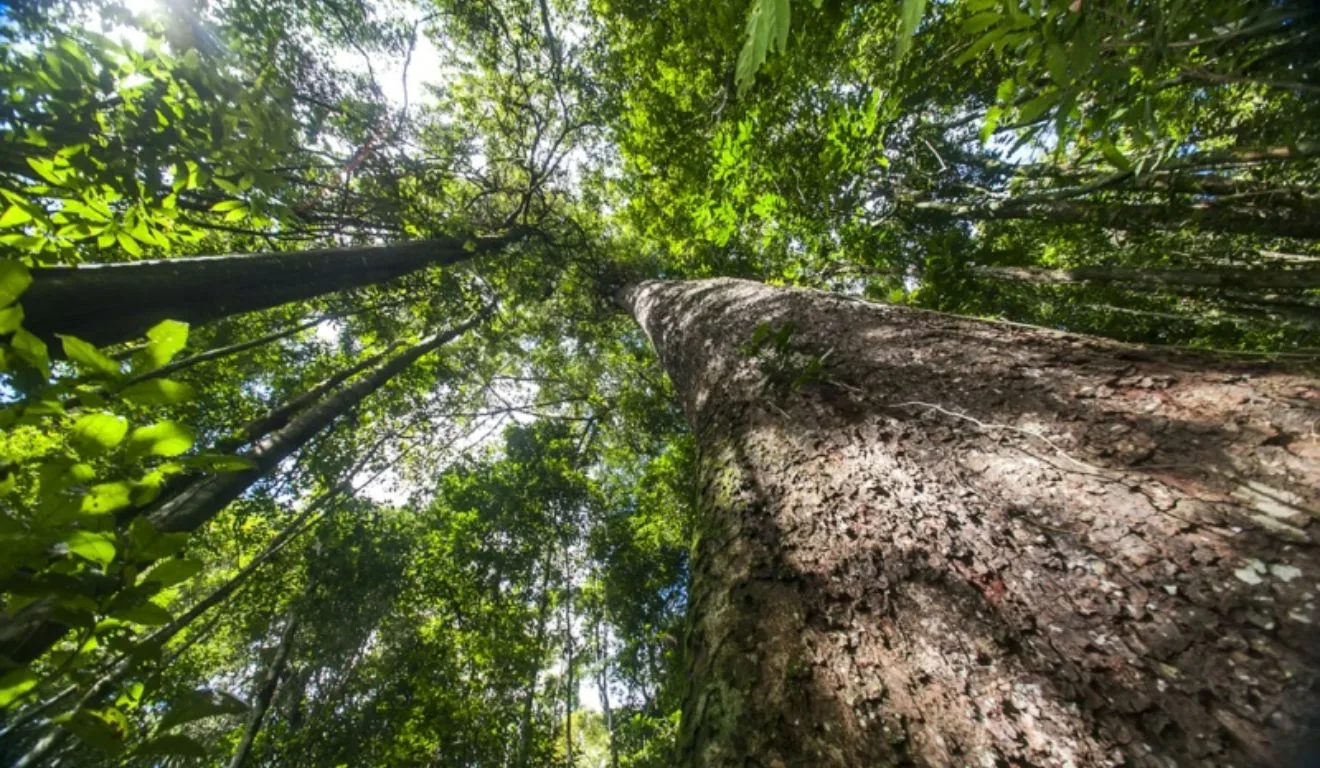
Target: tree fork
<point>952,541</point>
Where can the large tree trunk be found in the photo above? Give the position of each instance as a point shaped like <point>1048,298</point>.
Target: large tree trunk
<point>110,303</point>
<point>926,540</point>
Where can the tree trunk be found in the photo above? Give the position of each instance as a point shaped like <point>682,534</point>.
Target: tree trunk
<point>1243,220</point>
<point>218,353</point>
<point>1221,277</point>
<point>265,694</point>
<point>110,303</point>
<point>194,505</point>
<point>603,685</point>
<point>127,662</point>
<point>280,416</point>
<point>197,504</point>
<point>523,756</point>
<point>570,689</point>
<point>927,540</point>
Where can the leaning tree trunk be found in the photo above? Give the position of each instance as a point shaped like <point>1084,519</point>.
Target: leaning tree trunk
<point>1206,277</point>
<point>110,303</point>
<point>265,694</point>
<point>927,540</point>
<point>1210,217</point>
<point>197,503</point>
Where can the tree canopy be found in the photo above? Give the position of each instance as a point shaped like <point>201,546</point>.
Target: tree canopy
<point>322,438</point>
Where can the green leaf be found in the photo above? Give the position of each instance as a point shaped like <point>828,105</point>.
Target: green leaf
<point>173,744</point>
<point>14,279</point>
<point>767,23</point>
<point>14,216</point>
<point>146,613</point>
<point>128,243</point>
<point>16,683</point>
<point>171,572</point>
<point>45,168</point>
<point>158,392</point>
<point>1114,156</point>
<point>31,350</point>
<point>992,116</point>
<point>978,47</point>
<point>97,433</point>
<point>164,438</point>
<point>10,319</point>
<point>165,340</point>
<point>100,730</point>
<point>1057,63</point>
<point>980,21</point>
<point>227,205</point>
<point>80,351</point>
<point>1037,107</point>
<point>90,545</point>
<point>908,20</point>
<point>196,705</point>
<point>148,543</point>
<point>104,498</point>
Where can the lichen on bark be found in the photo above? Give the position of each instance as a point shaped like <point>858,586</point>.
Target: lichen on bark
<point>972,543</point>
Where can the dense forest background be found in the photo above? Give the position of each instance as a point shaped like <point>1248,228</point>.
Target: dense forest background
<point>440,513</point>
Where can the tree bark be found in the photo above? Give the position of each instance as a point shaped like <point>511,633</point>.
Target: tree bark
<point>265,694</point>
<point>939,541</point>
<point>1221,277</point>
<point>1243,220</point>
<point>111,303</point>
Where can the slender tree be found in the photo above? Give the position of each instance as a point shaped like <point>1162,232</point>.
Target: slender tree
<point>930,540</point>
<point>265,694</point>
<point>198,502</point>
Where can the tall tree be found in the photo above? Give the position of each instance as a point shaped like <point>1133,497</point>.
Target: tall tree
<point>111,303</point>
<point>925,539</point>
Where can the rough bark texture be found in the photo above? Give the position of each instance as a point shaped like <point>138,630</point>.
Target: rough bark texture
<point>965,543</point>
<point>110,303</point>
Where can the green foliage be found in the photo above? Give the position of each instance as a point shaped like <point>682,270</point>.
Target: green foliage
<point>505,526</point>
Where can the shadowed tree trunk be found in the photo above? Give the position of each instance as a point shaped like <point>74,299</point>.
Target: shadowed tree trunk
<point>926,540</point>
<point>24,639</point>
<point>111,303</point>
<point>1211,217</point>
<point>261,703</point>
<point>1206,277</point>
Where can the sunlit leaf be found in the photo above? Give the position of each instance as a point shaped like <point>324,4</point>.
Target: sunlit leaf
<point>96,433</point>
<point>91,545</point>
<point>14,280</point>
<point>164,438</point>
<point>158,392</point>
<point>173,571</point>
<point>80,351</point>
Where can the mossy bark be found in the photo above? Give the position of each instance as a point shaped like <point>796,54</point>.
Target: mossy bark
<point>927,540</point>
